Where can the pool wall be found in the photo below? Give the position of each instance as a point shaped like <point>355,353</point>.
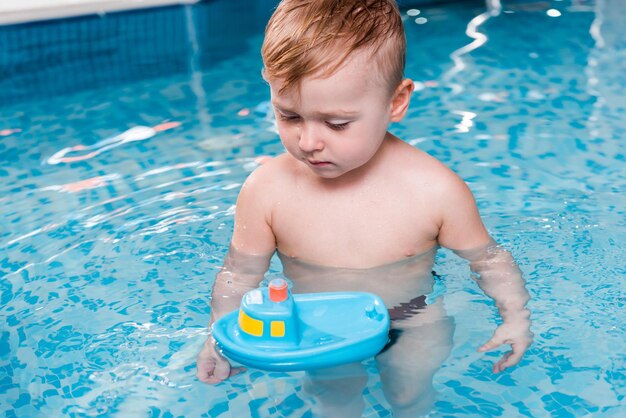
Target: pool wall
<point>37,61</point>
<point>32,10</point>
<point>12,12</point>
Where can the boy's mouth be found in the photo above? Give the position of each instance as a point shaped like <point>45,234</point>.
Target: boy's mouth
<point>317,163</point>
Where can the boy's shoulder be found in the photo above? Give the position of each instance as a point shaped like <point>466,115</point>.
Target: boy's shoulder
<point>444,197</point>
<point>419,166</point>
<point>271,175</point>
<point>276,168</point>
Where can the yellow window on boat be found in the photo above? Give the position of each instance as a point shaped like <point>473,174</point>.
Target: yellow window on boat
<point>277,329</point>
<point>250,325</point>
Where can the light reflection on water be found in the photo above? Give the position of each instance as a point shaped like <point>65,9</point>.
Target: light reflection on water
<point>107,261</point>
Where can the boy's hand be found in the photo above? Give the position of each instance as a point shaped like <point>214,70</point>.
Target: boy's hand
<point>212,366</point>
<point>518,335</point>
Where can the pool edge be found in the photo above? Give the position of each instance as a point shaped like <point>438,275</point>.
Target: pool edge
<point>33,10</point>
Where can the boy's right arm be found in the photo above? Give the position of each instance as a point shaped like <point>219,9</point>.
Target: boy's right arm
<point>252,247</point>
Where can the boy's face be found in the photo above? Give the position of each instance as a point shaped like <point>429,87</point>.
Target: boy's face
<point>335,124</point>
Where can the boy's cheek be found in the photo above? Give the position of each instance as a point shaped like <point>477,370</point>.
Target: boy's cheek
<point>290,145</point>
<point>287,134</point>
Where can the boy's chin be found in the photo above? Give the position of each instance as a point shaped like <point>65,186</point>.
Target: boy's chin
<point>330,173</point>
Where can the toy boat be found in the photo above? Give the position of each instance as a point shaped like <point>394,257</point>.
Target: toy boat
<point>275,330</point>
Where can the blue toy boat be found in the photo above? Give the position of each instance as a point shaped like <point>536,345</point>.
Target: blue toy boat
<point>274,330</point>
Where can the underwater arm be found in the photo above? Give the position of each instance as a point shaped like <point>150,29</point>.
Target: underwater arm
<point>252,246</point>
<point>496,272</point>
<point>241,273</point>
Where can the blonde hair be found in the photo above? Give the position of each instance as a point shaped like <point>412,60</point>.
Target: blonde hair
<point>316,37</point>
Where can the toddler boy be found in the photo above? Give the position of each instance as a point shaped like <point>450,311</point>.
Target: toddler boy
<point>351,206</point>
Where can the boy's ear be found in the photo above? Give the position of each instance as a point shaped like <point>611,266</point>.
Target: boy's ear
<point>401,99</point>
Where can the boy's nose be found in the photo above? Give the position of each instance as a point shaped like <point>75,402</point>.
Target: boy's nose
<point>310,139</point>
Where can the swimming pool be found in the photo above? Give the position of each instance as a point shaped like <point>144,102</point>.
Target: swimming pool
<point>109,250</point>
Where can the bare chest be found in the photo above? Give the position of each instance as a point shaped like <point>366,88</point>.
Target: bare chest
<point>353,229</point>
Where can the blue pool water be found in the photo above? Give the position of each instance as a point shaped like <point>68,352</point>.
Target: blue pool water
<point>107,259</point>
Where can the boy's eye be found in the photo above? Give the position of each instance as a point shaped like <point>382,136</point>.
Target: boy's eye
<point>337,126</point>
<point>288,118</point>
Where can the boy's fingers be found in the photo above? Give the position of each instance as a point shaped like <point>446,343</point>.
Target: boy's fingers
<point>501,364</point>
<point>204,374</point>
<point>516,355</point>
<point>508,360</point>
<point>222,370</point>
<point>212,367</point>
<point>489,345</point>
<point>221,373</point>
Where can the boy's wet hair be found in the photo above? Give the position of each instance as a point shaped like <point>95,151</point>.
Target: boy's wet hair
<point>315,37</point>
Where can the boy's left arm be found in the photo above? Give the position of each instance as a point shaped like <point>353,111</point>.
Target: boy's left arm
<point>497,274</point>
